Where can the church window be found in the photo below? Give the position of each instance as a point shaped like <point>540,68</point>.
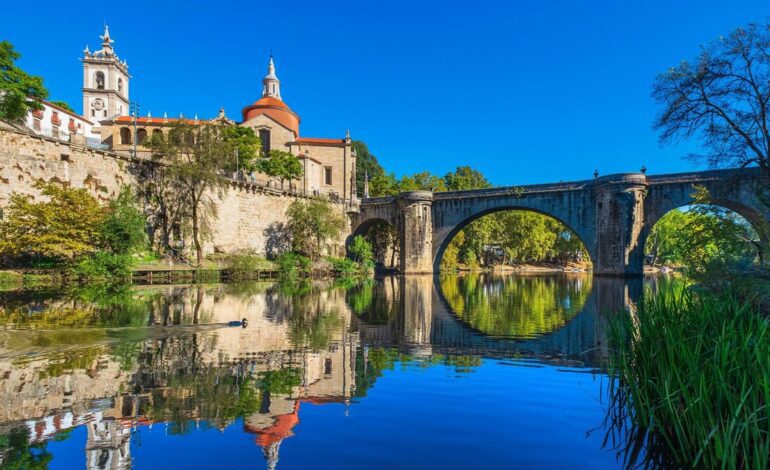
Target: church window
<point>125,135</point>
<point>99,79</point>
<point>120,85</point>
<point>141,136</point>
<point>328,175</point>
<point>264,137</point>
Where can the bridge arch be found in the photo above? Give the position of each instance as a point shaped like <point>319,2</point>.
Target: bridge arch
<point>442,240</point>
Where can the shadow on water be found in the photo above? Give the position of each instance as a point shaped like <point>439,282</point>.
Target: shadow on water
<point>103,366</point>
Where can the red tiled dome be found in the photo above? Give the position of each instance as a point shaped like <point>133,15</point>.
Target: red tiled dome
<point>276,110</point>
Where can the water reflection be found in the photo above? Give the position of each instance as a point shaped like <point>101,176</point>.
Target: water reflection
<point>111,364</point>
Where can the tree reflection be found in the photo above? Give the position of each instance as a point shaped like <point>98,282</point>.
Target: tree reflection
<point>515,306</point>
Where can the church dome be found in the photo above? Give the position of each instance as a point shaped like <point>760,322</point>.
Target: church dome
<point>271,105</point>
<point>276,110</point>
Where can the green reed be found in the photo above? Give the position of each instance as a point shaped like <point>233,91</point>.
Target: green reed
<point>695,368</point>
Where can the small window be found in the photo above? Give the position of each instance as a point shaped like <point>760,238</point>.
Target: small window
<point>328,175</point>
<point>328,366</point>
<point>105,113</point>
<point>36,124</point>
<point>93,113</point>
<point>264,139</point>
<point>120,85</point>
<point>99,79</point>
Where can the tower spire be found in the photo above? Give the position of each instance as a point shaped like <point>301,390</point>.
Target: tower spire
<point>106,40</point>
<point>271,86</point>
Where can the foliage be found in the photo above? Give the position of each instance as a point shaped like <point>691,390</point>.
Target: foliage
<point>244,264</point>
<point>366,164</point>
<point>722,98</point>
<point>62,104</point>
<point>281,381</point>
<point>311,224</point>
<point>246,146</point>
<point>292,265</point>
<point>703,238</point>
<point>123,227</point>
<point>360,250</point>
<point>465,178</point>
<point>19,453</point>
<point>19,91</point>
<point>343,266</point>
<point>195,163</point>
<point>284,166</point>
<point>63,228</point>
<point>693,374</point>
<point>103,267</point>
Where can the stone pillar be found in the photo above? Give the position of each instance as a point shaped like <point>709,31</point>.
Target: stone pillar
<point>619,209</point>
<point>417,303</point>
<point>416,232</point>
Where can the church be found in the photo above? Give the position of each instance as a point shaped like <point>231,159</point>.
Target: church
<point>329,164</point>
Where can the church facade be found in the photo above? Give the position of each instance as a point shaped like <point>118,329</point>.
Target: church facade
<point>329,164</point>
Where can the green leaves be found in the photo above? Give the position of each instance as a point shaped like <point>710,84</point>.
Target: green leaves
<point>282,165</point>
<point>17,87</point>
<point>311,223</point>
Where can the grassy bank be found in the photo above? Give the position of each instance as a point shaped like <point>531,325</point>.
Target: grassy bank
<point>694,371</point>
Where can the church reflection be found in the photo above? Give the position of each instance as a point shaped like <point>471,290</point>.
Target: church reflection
<point>165,356</point>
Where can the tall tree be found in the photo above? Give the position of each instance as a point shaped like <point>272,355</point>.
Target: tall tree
<point>465,178</point>
<point>366,164</point>
<point>722,97</point>
<point>312,223</point>
<point>196,157</point>
<point>19,91</point>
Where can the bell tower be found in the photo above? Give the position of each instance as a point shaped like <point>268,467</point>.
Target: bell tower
<point>271,86</point>
<point>105,82</point>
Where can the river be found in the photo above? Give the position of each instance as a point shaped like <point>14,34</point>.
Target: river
<point>458,371</point>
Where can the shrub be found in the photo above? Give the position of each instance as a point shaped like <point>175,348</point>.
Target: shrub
<point>123,227</point>
<point>244,264</point>
<point>291,264</point>
<point>361,252</point>
<point>102,266</point>
<point>343,266</point>
<point>311,224</point>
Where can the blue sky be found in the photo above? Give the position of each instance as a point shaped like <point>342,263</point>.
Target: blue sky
<point>526,92</point>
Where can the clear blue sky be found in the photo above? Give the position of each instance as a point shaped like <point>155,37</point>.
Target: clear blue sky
<point>527,92</point>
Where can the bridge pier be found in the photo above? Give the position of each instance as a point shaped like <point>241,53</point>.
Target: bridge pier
<point>619,220</point>
<point>416,232</point>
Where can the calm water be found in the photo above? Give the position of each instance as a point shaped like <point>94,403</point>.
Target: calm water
<point>451,372</point>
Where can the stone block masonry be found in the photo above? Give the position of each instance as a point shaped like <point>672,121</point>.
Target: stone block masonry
<point>248,216</point>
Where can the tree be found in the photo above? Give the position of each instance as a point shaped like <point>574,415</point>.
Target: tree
<point>19,91</point>
<point>311,224</point>
<point>195,157</point>
<point>281,165</point>
<point>366,164</point>
<point>63,228</point>
<point>63,105</point>
<point>123,227</point>
<point>721,97</point>
<point>465,178</point>
<point>247,147</point>
<point>361,251</point>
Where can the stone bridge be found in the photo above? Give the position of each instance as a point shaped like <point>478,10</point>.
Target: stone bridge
<point>612,215</point>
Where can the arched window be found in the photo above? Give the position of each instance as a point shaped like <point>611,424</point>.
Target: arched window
<point>141,136</point>
<point>99,80</point>
<point>264,137</point>
<point>120,85</point>
<point>157,134</point>
<point>125,135</point>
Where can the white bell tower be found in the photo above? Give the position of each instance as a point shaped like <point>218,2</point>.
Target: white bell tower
<point>271,86</point>
<point>105,82</point>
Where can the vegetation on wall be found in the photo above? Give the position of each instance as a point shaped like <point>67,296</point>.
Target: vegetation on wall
<point>283,166</point>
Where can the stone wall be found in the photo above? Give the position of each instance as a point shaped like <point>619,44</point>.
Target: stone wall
<point>247,213</point>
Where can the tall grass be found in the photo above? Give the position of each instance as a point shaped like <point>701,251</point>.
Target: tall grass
<point>694,371</point>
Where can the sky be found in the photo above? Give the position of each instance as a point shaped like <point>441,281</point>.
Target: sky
<point>526,92</point>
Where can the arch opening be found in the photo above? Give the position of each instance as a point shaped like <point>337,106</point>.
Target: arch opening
<point>512,238</point>
<point>696,238</point>
<point>384,239</point>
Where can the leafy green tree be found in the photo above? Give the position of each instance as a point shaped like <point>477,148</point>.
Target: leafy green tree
<point>123,227</point>
<point>196,157</point>
<point>63,228</point>
<point>247,147</point>
<point>284,166</point>
<point>361,252</point>
<point>63,105</point>
<point>311,224</point>
<point>19,91</point>
<point>423,181</point>
<point>366,164</point>
<point>19,453</point>
<point>465,178</point>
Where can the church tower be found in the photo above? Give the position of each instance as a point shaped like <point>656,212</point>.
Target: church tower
<point>271,86</point>
<point>105,82</point>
